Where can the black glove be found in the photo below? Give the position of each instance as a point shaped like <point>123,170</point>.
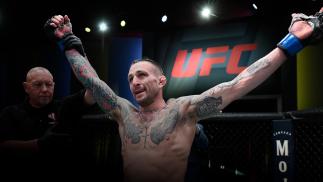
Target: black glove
<point>70,41</point>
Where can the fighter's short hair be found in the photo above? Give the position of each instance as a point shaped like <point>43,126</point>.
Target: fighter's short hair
<point>155,63</point>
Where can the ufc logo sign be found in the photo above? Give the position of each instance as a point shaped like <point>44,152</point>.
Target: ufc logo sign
<point>205,70</point>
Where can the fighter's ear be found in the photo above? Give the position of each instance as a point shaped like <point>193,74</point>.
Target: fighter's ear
<point>162,80</point>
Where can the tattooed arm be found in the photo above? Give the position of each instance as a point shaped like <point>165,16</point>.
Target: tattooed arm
<point>85,73</point>
<point>212,101</point>
<point>81,67</point>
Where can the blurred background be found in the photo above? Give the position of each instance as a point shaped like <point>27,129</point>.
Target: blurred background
<point>196,52</point>
<point>199,43</point>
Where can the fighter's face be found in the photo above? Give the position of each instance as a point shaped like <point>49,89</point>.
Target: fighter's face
<point>40,88</point>
<point>144,82</point>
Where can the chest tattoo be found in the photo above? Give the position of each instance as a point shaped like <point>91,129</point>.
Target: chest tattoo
<point>133,132</point>
<point>167,125</point>
<point>162,124</point>
<point>145,135</point>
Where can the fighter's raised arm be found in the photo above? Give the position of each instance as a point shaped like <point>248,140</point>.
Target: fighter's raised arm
<point>303,30</point>
<point>156,137</point>
<point>61,28</point>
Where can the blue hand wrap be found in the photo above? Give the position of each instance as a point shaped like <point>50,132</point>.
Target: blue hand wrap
<point>290,44</point>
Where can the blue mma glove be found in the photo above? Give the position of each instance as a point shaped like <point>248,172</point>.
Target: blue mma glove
<point>291,45</point>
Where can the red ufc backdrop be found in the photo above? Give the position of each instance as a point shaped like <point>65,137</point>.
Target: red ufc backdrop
<point>197,58</point>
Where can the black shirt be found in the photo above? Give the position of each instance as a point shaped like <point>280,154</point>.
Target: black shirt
<point>96,143</point>
<point>24,122</point>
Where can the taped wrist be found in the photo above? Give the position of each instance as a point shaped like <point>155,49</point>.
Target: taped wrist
<point>70,41</point>
<point>290,44</point>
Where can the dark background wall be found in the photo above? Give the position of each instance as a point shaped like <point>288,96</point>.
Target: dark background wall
<point>24,45</point>
<point>278,93</point>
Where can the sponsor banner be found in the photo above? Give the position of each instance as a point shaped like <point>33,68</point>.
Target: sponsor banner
<point>283,151</point>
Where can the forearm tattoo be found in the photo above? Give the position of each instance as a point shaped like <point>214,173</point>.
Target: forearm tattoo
<point>204,109</point>
<point>82,68</point>
<point>104,96</point>
<point>255,67</point>
<point>250,71</point>
<point>208,107</point>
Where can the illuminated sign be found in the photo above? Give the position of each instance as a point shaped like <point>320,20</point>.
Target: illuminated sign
<point>192,69</point>
<point>197,59</point>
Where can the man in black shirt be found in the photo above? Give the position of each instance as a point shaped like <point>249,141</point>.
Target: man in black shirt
<point>25,138</point>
